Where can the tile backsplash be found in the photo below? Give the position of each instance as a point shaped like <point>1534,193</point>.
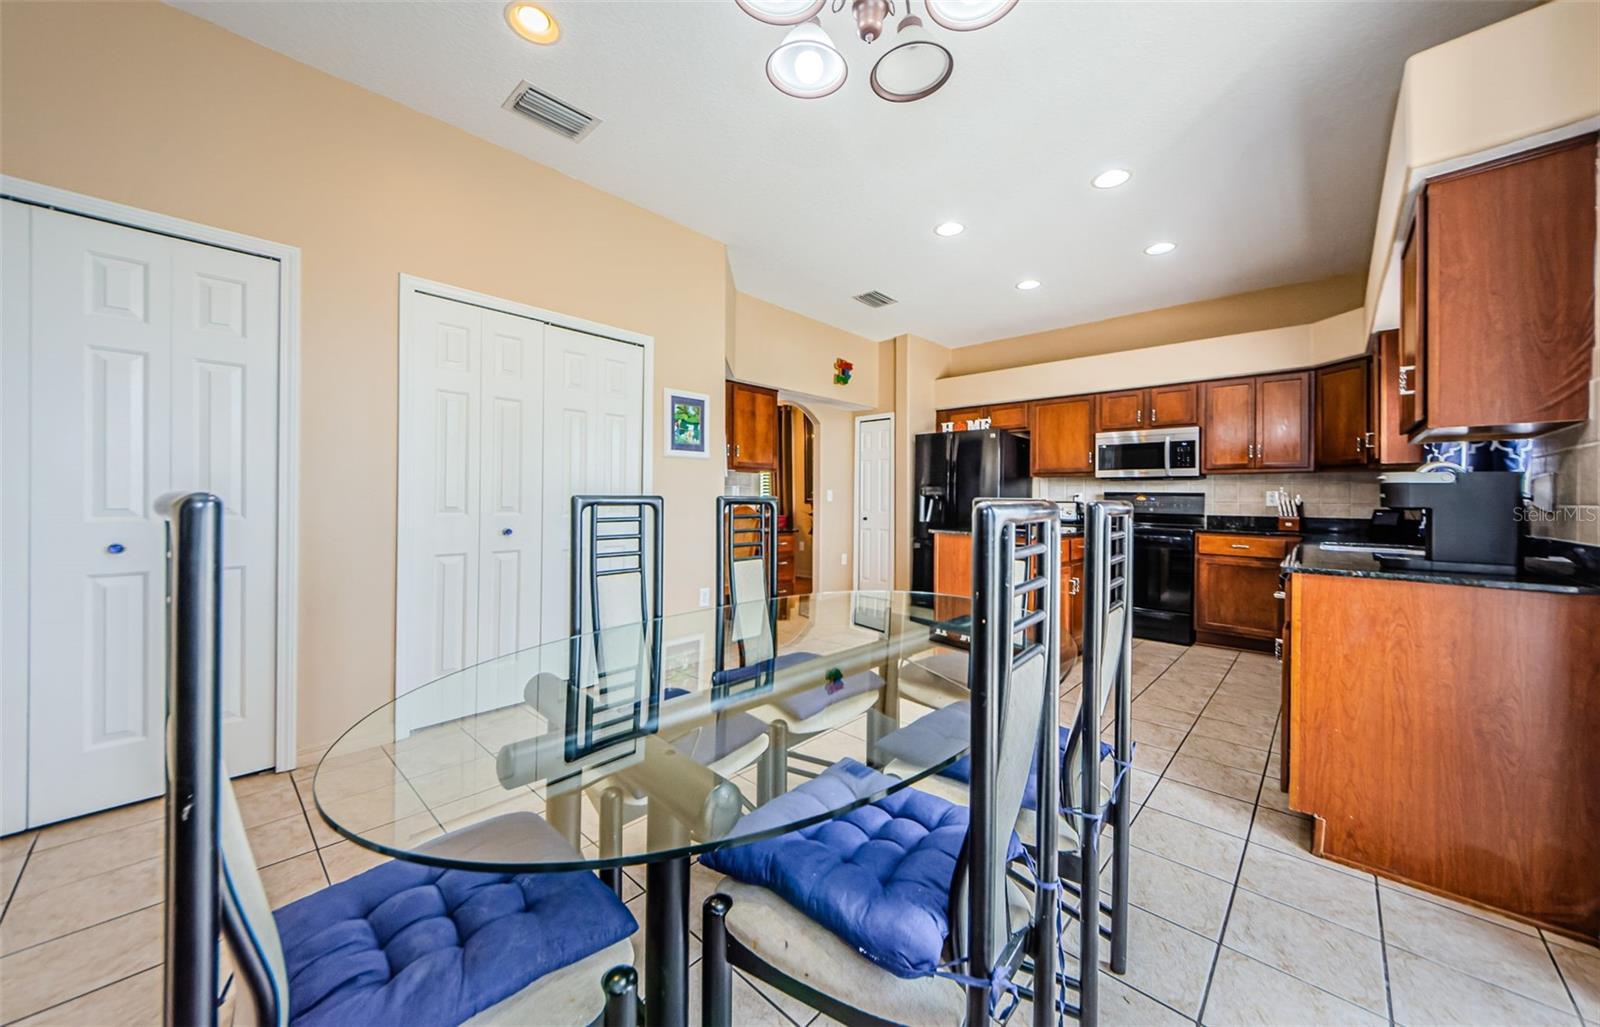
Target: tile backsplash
<point>1573,457</point>
<point>1326,493</point>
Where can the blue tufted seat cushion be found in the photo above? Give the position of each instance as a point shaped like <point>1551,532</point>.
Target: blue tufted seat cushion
<point>406,943</point>
<point>878,876</point>
<point>738,675</point>
<point>961,770</point>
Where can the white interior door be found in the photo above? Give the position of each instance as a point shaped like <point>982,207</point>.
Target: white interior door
<point>152,367</point>
<point>875,503</point>
<point>594,429</point>
<point>441,457</point>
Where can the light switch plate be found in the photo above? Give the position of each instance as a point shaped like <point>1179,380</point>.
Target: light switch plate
<point>705,597</point>
<point>844,559</point>
<point>829,494</point>
<point>1272,498</point>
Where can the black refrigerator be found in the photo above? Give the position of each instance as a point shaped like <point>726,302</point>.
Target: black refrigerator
<point>952,469</point>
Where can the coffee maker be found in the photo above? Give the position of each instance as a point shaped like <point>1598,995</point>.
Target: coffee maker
<point>1462,520</point>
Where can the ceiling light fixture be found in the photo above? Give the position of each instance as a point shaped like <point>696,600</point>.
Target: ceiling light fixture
<point>949,228</point>
<point>916,66</point>
<point>966,15</point>
<point>1156,249</point>
<point>1111,178</point>
<point>781,12</point>
<point>532,22</point>
<point>807,64</point>
<point>1028,284</point>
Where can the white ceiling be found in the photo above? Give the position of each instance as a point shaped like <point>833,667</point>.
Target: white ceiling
<point>1255,132</point>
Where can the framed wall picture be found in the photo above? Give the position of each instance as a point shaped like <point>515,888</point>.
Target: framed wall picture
<point>686,422</point>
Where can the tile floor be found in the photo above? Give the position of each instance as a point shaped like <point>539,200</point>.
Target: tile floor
<point>1234,921</point>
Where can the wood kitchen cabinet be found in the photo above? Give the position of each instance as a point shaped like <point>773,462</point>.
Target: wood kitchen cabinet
<point>786,550</point>
<point>1173,406</point>
<point>1262,423</point>
<point>1497,299</point>
<point>1389,446</point>
<point>952,576</point>
<point>1062,436</point>
<point>1450,747</point>
<point>1343,417</point>
<point>1235,588</point>
<point>752,427</point>
<point>1005,416</point>
<point>1166,406</point>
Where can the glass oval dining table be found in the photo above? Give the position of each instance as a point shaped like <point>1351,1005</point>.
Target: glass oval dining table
<point>637,745</point>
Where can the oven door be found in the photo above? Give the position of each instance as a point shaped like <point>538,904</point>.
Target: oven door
<point>1129,455</point>
<point>1163,584</point>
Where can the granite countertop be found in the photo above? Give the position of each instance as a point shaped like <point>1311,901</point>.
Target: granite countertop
<point>1553,571</point>
<point>1313,528</point>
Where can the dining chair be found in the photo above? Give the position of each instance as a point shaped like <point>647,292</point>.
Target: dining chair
<point>1091,803</point>
<point>747,578</point>
<point>402,942</point>
<point>904,909</point>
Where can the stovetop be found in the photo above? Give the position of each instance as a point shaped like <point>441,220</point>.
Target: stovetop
<point>1165,509</point>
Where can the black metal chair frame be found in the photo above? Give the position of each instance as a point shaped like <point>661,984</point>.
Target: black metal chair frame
<point>198,908</point>
<point>1015,619</point>
<point>608,719</point>
<point>747,529</point>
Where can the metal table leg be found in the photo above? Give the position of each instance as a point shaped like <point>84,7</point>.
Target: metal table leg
<point>666,943</point>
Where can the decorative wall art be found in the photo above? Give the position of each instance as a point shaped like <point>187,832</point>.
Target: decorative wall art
<point>686,422</point>
<point>842,369</point>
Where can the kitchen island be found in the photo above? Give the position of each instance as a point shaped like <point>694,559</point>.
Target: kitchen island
<point>1441,730</point>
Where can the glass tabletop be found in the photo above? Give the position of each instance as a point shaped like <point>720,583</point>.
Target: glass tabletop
<point>629,745</point>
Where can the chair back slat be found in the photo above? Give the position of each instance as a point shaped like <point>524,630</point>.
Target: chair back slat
<point>614,653</point>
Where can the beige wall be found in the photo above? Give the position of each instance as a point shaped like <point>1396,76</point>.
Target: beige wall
<point>782,350</point>
<point>1196,360</point>
<point>1279,307</point>
<point>918,364</point>
<point>1529,79</point>
<point>145,105</point>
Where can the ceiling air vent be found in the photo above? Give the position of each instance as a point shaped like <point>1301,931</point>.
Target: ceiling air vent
<point>875,299</point>
<point>558,116</point>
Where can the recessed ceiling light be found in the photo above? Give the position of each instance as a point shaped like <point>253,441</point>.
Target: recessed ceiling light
<point>1028,284</point>
<point>1111,178</point>
<point>950,228</point>
<point>1156,249</point>
<point>532,22</point>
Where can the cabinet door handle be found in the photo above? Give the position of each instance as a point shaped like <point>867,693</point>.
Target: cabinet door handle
<point>1237,545</point>
<point>738,450</point>
<point>1152,415</point>
<point>1359,441</point>
<point>1405,379</point>
<point>1279,595</point>
<point>1073,585</point>
<point>1277,649</point>
<point>1138,416</point>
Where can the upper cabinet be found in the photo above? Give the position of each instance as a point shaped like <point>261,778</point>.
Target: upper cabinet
<point>1389,445</point>
<point>1007,416</point>
<point>1344,430</point>
<point>1167,406</point>
<point>1174,405</point>
<point>1498,298</point>
<point>752,427</point>
<point>1260,423</point>
<point>1062,434</point>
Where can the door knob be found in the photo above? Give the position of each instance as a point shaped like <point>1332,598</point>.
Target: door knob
<point>115,548</point>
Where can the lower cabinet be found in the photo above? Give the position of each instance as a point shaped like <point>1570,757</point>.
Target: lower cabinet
<point>952,576</point>
<point>1235,588</point>
<point>1071,596</point>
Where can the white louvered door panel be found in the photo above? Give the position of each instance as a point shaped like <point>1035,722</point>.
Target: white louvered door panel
<point>593,402</point>
<point>141,384</point>
<point>224,374</point>
<point>438,566</point>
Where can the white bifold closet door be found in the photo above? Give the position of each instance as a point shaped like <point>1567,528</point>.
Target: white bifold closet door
<point>506,419</point>
<point>152,365</point>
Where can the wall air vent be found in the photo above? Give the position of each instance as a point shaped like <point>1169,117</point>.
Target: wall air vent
<point>558,116</point>
<point>875,299</point>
